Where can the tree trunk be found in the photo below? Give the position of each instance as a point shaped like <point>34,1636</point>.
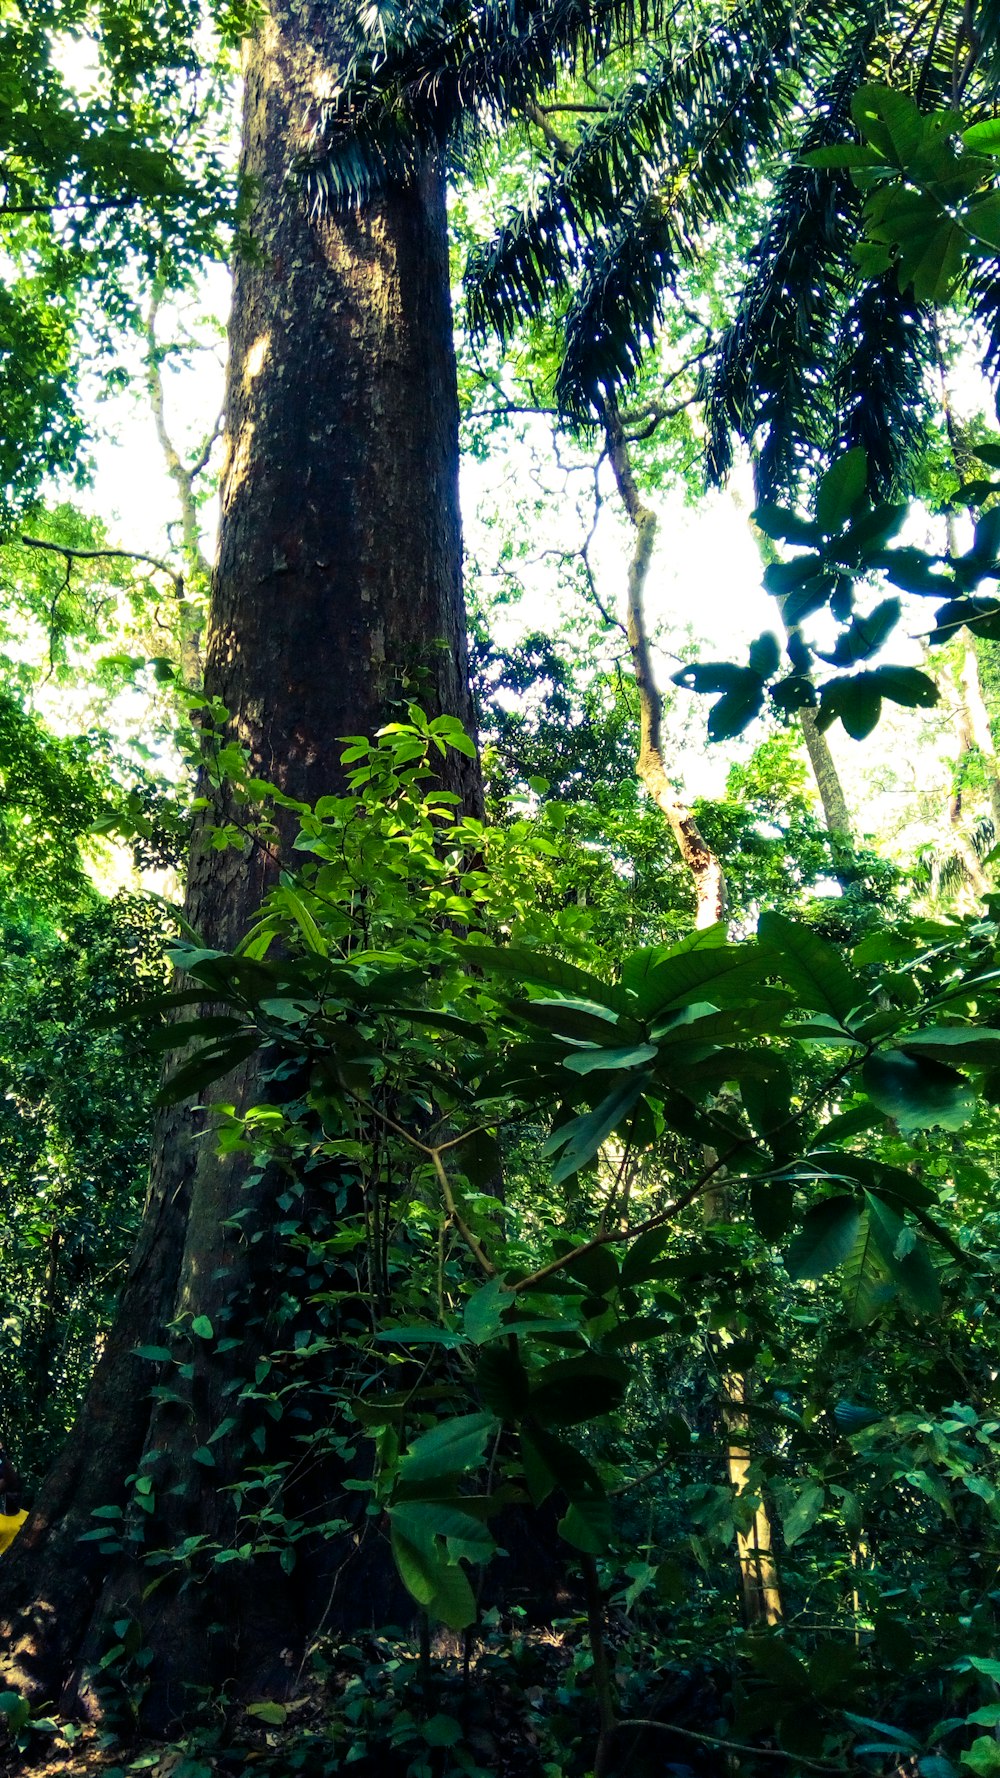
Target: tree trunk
<point>338,592</point>
<point>704,866</point>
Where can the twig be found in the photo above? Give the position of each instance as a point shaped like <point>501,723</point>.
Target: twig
<point>669,1728</point>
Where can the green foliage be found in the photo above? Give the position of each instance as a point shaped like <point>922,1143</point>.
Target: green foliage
<point>546,1349</point>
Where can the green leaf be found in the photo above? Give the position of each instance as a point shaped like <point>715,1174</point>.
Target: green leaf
<point>889,120</point>
<point>537,968</point>
<point>268,1712</point>
<point>643,1254</point>
<point>586,1525</point>
<point>736,709</point>
<point>725,970</point>
<point>453,1447</point>
<point>808,1505</point>
<point>453,1600</point>
<point>983,1757</point>
<point>811,967</point>
<point>960,1043</point>
<point>484,1311</point>
<point>904,1255</point>
<point>825,1239</point>
<point>918,1092</point>
<point>417,1565</point>
<point>202,1326</point>
<point>842,490</point>
<point>581,1138</point>
<point>906,685</point>
<point>596,1060</point>
<point>857,701</point>
<point>573,1390</point>
<point>423,1520</point>
<point>442,1731</point>
<point>983,138</point>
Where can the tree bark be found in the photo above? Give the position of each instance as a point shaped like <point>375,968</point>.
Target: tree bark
<point>338,593</point>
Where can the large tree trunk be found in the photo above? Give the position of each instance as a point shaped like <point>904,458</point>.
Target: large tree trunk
<point>338,590</point>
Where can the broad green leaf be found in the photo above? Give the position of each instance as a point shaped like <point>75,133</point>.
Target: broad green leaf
<point>889,120</point>
<point>825,1239</point>
<point>453,1447</point>
<point>983,1757</point>
<point>918,1092</point>
<point>442,1731</point>
<point>904,1255</point>
<point>842,490</point>
<point>268,1711</point>
<point>811,967</point>
<point>808,1505</point>
<point>503,1382</point>
<point>736,709</point>
<point>643,1254</point>
<point>983,138</point>
<point>867,1285</point>
<point>906,685</point>
<point>597,1060</point>
<point>202,1326</point>
<point>722,973</point>
<point>778,521</point>
<point>453,1601</point>
<point>417,1565</point>
<point>484,1310</point>
<point>537,968</point>
<point>581,1138</point>
<point>421,1520</point>
<point>586,1524</point>
<point>955,1043</point>
<point>857,701</point>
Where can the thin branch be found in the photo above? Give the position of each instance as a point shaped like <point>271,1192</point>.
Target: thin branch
<point>93,555</point>
<point>778,1753</point>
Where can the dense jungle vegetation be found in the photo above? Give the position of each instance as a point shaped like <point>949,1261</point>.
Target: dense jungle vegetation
<point>499,1094</point>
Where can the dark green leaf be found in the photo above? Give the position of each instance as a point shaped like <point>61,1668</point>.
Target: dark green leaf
<point>825,1239</point>
<point>917,1092</point>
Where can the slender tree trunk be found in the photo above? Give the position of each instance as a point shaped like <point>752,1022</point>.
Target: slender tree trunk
<point>705,868</point>
<point>759,1592</point>
<point>337,593</point>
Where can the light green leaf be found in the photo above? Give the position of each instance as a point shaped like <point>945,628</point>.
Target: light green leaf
<point>809,1503</point>
<point>596,1060</point>
<point>453,1447</point>
<point>268,1712</point>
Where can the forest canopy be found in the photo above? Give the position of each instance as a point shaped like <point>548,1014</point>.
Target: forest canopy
<point>500,980</point>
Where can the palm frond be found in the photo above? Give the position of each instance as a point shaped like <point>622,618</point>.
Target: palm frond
<point>886,345</point>
<point>770,375</point>
<point>441,73</point>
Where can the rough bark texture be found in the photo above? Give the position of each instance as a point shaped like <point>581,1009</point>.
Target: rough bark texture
<point>338,588</point>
